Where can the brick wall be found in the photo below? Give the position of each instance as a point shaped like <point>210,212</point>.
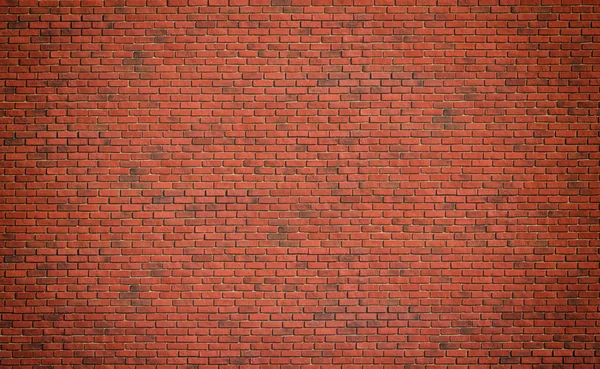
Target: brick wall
<point>299,184</point>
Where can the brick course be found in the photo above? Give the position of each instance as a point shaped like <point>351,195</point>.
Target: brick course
<point>300,184</point>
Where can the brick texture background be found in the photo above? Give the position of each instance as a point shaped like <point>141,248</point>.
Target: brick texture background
<point>299,184</point>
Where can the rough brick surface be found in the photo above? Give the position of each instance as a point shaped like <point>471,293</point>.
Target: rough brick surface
<point>300,184</point>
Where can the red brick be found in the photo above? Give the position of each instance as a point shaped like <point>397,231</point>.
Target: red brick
<point>295,183</point>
